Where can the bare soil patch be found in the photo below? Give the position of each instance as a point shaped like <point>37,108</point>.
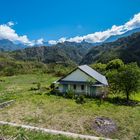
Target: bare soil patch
<point>105,126</point>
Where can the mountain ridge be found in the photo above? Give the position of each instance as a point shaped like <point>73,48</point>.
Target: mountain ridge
<point>7,45</point>
<point>125,48</point>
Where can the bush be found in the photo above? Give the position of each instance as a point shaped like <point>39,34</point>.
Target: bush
<point>52,86</point>
<point>56,92</point>
<point>70,94</point>
<point>9,71</point>
<point>38,87</point>
<point>80,99</point>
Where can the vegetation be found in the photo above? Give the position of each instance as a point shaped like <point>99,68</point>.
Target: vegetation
<point>26,76</point>
<point>17,133</point>
<point>114,64</point>
<point>80,99</point>
<point>70,94</point>
<point>10,67</point>
<point>126,48</point>
<point>62,53</point>
<point>100,67</point>
<point>123,78</point>
<point>39,108</point>
<point>127,79</point>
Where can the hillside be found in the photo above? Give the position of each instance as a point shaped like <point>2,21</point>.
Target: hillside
<point>7,45</point>
<point>67,52</point>
<point>126,48</point>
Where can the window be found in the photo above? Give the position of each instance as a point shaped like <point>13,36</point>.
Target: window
<point>74,87</point>
<point>82,87</point>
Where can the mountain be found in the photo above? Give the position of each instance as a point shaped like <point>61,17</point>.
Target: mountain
<point>7,45</point>
<point>75,51</point>
<point>67,52</point>
<point>125,48</point>
<point>41,54</point>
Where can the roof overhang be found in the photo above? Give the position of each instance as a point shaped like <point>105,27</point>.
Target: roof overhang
<point>72,82</point>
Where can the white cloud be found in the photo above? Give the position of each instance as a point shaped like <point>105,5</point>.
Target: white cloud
<point>102,36</point>
<point>7,32</point>
<point>53,42</point>
<point>10,23</point>
<point>40,41</point>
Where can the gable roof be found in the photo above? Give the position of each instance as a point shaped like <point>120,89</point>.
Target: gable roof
<point>94,74</point>
<point>91,72</point>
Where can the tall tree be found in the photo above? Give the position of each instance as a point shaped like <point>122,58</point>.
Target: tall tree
<point>125,80</point>
<point>129,79</point>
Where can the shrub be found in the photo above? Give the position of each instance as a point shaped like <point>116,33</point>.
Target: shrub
<point>9,71</point>
<point>36,88</point>
<point>56,92</point>
<point>52,86</point>
<point>70,94</point>
<point>80,99</point>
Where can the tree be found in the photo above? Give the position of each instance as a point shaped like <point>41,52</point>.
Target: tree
<point>125,80</point>
<point>129,79</point>
<point>100,67</point>
<point>113,80</point>
<point>114,64</point>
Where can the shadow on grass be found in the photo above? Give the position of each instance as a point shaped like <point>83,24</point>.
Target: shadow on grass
<point>122,101</point>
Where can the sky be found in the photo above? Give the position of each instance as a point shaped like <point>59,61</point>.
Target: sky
<point>32,21</point>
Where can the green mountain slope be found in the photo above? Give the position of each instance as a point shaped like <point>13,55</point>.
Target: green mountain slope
<point>126,48</point>
<point>67,52</point>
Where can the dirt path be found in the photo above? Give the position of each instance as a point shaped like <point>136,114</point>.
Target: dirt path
<point>55,132</point>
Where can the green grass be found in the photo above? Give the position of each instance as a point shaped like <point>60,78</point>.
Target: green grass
<point>18,133</point>
<point>37,108</point>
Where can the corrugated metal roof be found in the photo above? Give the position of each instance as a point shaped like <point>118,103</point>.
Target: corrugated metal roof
<point>99,77</point>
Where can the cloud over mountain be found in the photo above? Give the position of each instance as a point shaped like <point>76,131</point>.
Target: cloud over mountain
<point>103,35</point>
<point>7,32</point>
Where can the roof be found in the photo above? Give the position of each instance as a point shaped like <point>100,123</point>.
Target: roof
<point>91,72</point>
<point>94,74</point>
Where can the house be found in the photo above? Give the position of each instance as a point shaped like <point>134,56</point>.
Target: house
<point>83,80</point>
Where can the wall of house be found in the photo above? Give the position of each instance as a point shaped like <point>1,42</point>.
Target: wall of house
<point>64,88</point>
<point>78,88</point>
<point>60,88</point>
<point>91,91</point>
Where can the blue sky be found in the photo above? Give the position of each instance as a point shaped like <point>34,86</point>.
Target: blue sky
<point>54,19</point>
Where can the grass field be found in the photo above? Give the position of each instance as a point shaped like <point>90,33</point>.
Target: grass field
<point>18,133</point>
<point>37,108</point>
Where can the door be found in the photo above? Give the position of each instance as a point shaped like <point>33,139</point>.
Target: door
<point>65,87</point>
<point>92,91</point>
